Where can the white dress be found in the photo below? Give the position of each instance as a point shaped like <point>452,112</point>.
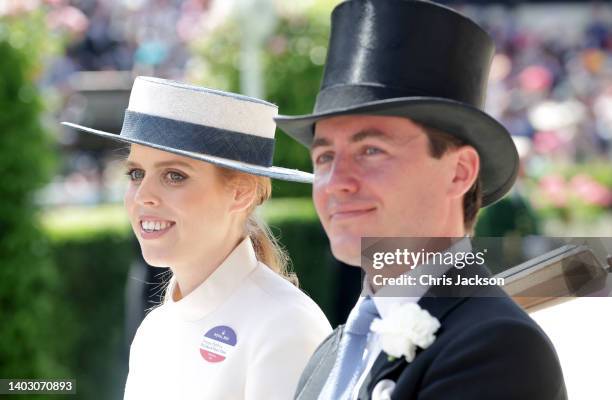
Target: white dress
<point>245,333</point>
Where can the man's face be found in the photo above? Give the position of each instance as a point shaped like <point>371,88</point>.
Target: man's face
<point>374,176</point>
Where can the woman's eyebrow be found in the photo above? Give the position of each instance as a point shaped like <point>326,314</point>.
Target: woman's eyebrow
<point>160,164</point>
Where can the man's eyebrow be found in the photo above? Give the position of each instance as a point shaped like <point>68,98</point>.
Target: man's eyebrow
<point>370,133</point>
<point>318,142</point>
<point>358,137</point>
<point>131,164</point>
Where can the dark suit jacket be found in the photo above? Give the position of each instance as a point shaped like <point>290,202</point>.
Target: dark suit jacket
<point>486,348</point>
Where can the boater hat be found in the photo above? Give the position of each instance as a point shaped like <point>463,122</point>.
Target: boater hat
<point>414,59</point>
<point>225,129</point>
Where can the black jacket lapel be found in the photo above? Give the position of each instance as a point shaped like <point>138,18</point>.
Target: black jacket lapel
<point>438,301</point>
<point>382,368</point>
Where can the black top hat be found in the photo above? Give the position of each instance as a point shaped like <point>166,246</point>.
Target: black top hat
<point>419,60</point>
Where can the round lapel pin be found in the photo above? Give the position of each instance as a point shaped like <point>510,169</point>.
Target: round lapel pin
<point>217,343</point>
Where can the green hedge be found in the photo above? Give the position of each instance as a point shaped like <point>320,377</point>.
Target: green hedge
<point>89,301</point>
<point>28,347</point>
<point>94,247</point>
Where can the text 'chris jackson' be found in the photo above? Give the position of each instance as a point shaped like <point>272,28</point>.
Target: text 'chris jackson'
<point>428,280</point>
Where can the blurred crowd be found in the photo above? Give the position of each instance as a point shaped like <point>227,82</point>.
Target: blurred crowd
<point>551,86</point>
<point>555,85</point>
<point>145,36</point>
<point>550,82</point>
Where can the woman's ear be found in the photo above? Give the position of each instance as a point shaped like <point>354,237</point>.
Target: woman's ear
<point>243,191</point>
<point>467,167</point>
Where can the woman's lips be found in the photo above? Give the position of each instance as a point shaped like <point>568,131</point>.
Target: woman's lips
<point>151,223</point>
<point>154,234</point>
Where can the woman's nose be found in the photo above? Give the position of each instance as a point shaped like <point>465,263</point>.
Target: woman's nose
<point>147,193</point>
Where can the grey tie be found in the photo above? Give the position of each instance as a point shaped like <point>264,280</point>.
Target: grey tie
<point>350,361</point>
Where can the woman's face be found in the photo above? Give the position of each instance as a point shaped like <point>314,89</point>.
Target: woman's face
<point>179,208</point>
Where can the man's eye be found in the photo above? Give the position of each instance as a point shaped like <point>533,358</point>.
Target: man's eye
<point>323,158</point>
<point>135,174</point>
<point>175,177</point>
<point>370,151</point>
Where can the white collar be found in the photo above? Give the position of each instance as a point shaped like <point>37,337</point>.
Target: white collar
<point>218,286</point>
<point>386,298</point>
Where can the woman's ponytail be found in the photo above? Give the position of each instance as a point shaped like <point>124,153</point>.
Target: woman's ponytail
<point>267,249</point>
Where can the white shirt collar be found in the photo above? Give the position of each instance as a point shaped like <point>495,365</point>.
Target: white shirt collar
<point>384,298</point>
<point>218,286</point>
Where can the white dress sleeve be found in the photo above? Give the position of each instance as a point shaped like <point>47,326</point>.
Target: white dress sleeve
<point>136,382</point>
<point>131,384</point>
<point>282,351</point>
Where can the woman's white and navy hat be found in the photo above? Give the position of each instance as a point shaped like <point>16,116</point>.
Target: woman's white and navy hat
<point>225,129</point>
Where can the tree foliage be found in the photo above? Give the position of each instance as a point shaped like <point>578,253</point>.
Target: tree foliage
<point>27,342</point>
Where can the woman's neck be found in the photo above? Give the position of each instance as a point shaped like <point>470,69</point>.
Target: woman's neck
<point>189,277</point>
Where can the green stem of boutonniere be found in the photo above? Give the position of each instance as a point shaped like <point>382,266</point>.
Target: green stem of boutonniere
<point>390,358</point>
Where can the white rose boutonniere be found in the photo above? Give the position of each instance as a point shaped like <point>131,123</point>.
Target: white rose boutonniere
<point>405,328</point>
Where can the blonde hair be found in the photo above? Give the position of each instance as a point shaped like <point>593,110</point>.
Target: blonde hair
<point>267,248</point>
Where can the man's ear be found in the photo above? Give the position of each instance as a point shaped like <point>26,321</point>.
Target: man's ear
<point>243,192</point>
<point>467,167</point>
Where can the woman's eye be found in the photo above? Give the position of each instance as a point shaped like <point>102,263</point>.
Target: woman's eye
<point>175,177</point>
<point>135,174</point>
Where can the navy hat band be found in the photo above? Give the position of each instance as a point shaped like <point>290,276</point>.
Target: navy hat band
<point>196,138</point>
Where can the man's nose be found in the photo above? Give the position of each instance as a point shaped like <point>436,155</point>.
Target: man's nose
<point>343,177</point>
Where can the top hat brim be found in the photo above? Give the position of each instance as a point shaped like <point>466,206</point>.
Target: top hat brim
<point>285,174</point>
<point>499,161</point>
